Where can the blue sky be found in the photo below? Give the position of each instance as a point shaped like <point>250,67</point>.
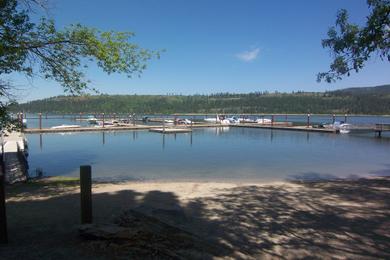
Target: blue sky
<point>217,45</point>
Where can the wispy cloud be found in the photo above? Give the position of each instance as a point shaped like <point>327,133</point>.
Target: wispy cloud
<point>248,56</point>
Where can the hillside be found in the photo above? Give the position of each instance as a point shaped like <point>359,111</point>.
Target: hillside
<point>369,100</point>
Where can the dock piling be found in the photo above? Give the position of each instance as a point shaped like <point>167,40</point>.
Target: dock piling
<point>40,120</point>
<point>86,194</point>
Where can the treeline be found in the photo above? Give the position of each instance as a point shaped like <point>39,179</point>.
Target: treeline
<point>373,100</point>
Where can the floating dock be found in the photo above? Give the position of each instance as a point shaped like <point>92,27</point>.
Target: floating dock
<point>289,128</point>
<point>171,130</point>
<point>377,129</point>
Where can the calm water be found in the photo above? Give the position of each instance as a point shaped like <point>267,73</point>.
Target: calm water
<point>210,154</point>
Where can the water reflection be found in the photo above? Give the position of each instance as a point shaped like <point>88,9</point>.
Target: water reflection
<point>40,141</point>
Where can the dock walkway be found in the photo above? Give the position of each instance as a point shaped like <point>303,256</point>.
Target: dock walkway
<point>289,128</point>
<point>14,159</point>
<point>187,128</point>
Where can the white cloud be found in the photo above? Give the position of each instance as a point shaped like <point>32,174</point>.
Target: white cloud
<point>248,56</point>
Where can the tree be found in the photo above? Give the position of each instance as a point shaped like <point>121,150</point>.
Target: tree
<point>351,46</point>
<point>62,55</point>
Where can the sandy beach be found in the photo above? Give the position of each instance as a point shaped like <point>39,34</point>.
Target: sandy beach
<point>281,220</point>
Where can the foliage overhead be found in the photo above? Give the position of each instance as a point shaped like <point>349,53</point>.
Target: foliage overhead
<point>63,55</point>
<point>351,45</point>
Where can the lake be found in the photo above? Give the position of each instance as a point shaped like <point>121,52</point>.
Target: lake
<point>210,154</point>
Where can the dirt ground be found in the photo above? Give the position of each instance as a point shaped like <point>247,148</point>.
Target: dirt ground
<point>204,220</point>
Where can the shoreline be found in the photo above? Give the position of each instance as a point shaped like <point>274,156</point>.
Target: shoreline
<point>234,220</point>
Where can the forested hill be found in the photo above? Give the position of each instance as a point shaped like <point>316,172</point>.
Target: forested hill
<point>370,100</point>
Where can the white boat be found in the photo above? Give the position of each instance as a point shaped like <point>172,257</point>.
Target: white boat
<point>234,120</point>
<point>345,128</point>
<point>169,121</point>
<point>106,123</point>
<point>224,121</point>
<point>184,121</point>
<point>212,119</point>
<point>218,120</point>
<point>247,120</point>
<point>263,121</point>
<point>65,126</point>
<point>92,120</point>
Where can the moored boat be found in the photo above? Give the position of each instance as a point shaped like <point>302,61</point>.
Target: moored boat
<point>263,121</point>
<point>65,126</point>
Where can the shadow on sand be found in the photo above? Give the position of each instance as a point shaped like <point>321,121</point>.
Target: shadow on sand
<point>324,219</point>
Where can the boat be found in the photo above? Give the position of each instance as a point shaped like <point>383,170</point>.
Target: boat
<point>169,121</point>
<point>184,121</point>
<point>212,119</point>
<point>246,119</point>
<point>65,126</point>
<point>345,128</point>
<point>234,120</point>
<point>264,121</point>
<point>92,120</point>
<point>106,123</point>
<point>342,127</point>
<point>218,120</point>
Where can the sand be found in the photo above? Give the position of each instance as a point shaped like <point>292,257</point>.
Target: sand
<point>327,219</point>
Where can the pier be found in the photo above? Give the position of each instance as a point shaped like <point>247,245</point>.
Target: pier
<point>173,128</point>
<point>14,157</point>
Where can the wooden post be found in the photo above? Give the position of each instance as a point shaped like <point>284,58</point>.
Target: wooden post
<point>133,119</point>
<point>103,119</point>
<point>334,118</point>
<point>163,124</point>
<point>86,194</point>
<point>46,115</point>
<point>345,118</point>
<point>272,120</point>
<point>308,121</point>
<point>40,120</point>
